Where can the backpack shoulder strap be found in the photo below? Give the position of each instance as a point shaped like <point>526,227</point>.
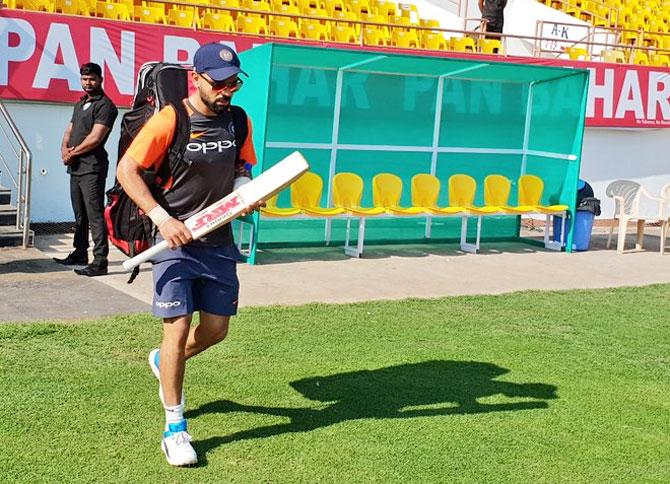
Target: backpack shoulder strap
<point>175,163</point>
<point>241,128</point>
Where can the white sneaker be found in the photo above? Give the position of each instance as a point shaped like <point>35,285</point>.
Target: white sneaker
<point>154,359</point>
<point>177,446</point>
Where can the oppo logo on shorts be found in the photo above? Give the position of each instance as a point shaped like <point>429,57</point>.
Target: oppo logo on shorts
<point>168,304</point>
<point>209,146</point>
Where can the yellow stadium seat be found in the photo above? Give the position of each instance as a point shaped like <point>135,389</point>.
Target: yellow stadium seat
<point>400,21</point>
<point>660,60</point>
<point>112,10</point>
<point>313,30</point>
<point>343,33</point>
<point>408,10</point>
<point>373,36</point>
<point>289,10</point>
<point>259,5</point>
<point>630,37</point>
<point>306,194</point>
<point>360,7</point>
<point>316,12</point>
<point>348,192</point>
<point>251,25</point>
<point>218,20</point>
<point>276,4</point>
<point>70,7</point>
<point>332,6</point>
<point>426,191</point>
<point>640,58</point>
<point>386,193</point>
<point>462,44</point>
<point>284,27</point>
<point>303,4</point>
<point>433,41</point>
<point>226,4</point>
<point>613,56</point>
<point>386,34</point>
<point>271,209</point>
<point>427,22</point>
<point>89,7</point>
<point>153,15</point>
<point>578,53</point>
<point>386,9</point>
<point>601,17</point>
<point>36,5</point>
<point>183,18</point>
<point>405,39</point>
<point>351,19</point>
<point>490,46</point>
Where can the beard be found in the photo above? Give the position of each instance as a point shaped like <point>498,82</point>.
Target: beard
<point>218,105</point>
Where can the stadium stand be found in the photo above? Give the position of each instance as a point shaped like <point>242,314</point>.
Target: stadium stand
<point>641,27</point>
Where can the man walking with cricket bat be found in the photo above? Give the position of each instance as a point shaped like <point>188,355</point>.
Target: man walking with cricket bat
<point>197,275</point>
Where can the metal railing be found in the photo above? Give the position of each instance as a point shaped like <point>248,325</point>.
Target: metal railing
<point>18,170</point>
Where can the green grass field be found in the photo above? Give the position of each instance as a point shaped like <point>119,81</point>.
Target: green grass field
<point>529,387</point>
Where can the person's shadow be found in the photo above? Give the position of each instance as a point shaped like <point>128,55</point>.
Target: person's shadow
<point>431,388</point>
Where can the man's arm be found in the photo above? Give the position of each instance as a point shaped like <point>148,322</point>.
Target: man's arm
<point>64,148</point>
<point>481,6</point>
<point>93,139</point>
<point>129,175</point>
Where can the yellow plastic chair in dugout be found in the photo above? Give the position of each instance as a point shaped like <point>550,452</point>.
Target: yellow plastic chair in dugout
<point>386,192</point>
<point>531,188</point>
<point>306,194</point>
<point>271,209</point>
<point>462,190</point>
<point>425,192</point>
<point>347,194</point>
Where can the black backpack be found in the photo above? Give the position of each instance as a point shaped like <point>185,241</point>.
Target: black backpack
<point>159,84</point>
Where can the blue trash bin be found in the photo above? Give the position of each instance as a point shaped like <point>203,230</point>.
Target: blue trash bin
<point>583,226</point>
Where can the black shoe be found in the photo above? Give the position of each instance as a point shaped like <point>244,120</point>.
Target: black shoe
<point>73,259</point>
<point>97,268</point>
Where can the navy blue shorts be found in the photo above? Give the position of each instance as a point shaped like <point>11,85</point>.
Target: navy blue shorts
<point>193,278</point>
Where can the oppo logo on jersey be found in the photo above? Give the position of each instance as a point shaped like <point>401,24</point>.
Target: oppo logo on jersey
<point>209,146</point>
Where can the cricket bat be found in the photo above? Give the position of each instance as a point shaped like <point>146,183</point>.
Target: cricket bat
<point>268,184</point>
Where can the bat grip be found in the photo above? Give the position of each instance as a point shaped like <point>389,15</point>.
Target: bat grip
<point>130,264</point>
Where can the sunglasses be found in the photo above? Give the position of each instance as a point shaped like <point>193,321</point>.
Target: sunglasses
<point>232,86</point>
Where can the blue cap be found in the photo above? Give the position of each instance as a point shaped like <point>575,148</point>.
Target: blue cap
<point>580,184</point>
<point>218,61</point>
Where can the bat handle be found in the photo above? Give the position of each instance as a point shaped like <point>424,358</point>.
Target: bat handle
<point>130,264</point>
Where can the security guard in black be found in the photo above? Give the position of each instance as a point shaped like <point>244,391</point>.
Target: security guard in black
<point>83,152</point>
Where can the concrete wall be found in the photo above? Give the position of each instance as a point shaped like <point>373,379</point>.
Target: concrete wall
<point>42,126</point>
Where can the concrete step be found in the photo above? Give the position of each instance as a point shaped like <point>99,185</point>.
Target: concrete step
<point>10,237</point>
<point>7,215</point>
<point>5,196</point>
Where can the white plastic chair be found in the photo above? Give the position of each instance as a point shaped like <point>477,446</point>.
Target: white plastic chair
<point>627,195</point>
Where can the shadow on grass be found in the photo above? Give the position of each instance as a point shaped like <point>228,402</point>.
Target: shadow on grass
<point>426,389</point>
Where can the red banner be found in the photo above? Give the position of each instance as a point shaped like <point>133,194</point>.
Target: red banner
<point>40,55</point>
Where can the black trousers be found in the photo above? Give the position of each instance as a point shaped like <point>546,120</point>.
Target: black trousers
<point>493,12</point>
<point>87,193</point>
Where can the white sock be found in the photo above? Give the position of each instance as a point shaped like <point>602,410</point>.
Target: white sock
<point>173,415</point>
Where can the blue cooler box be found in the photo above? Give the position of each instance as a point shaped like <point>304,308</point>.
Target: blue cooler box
<point>583,226</point>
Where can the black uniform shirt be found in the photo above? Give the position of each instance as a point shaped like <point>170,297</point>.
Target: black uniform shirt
<point>87,112</point>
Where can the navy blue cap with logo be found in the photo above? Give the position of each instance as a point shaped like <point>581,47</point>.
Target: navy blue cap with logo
<point>218,61</point>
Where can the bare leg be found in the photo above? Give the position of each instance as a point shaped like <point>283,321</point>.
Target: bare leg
<point>175,334</point>
<point>212,330</point>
